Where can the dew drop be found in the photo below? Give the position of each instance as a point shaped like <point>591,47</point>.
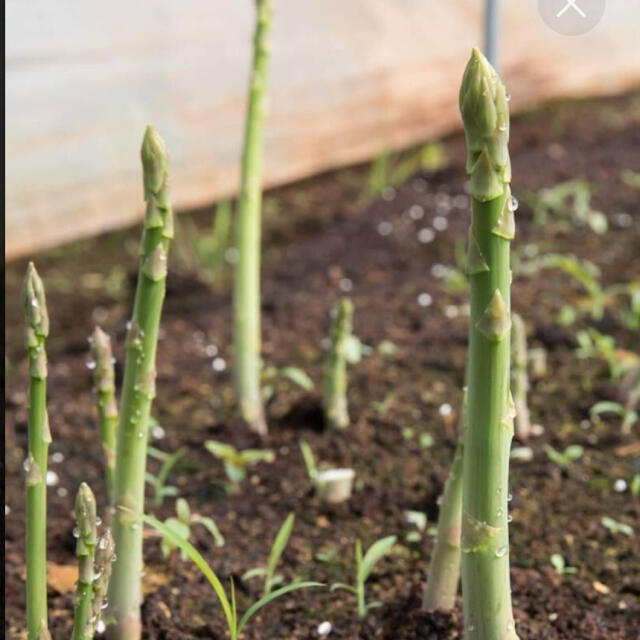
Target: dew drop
<point>508,97</point>
<point>103,543</point>
<point>509,518</point>
<point>385,228</point>
<point>100,627</point>
<point>426,235</point>
<point>76,532</point>
<point>91,365</point>
<point>27,465</point>
<point>510,497</point>
<point>98,521</point>
<point>513,204</point>
<point>416,212</point>
<point>52,478</point>
<point>219,364</point>
<point>424,300</point>
<point>501,552</point>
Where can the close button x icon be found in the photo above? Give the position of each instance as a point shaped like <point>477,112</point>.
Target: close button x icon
<point>569,5</point>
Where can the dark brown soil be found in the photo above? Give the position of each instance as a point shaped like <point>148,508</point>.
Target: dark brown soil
<point>320,236</point>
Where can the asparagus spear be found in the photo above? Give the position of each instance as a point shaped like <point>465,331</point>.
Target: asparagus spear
<point>485,544</point>
<point>138,391</point>
<point>86,533</point>
<point>104,377</point>
<point>246,308</point>
<point>520,378</point>
<point>444,570</point>
<point>35,465</point>
<point>335,385</point>
<point>104,558</point>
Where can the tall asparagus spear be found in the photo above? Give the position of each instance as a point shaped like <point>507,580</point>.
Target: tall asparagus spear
<point>104,377</point>
<point>335,384</point>
<point>520,378</point>
<point>86,532</point>
<point>444,570</point>
<point>485,544</point>
<point>246,313</point>
<point>138,391</point>
<point>39,438</point>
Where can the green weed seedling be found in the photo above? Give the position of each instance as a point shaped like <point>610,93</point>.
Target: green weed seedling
<point>272,377</point>
<point>161,489</point>
<point>563,459</point>
<point>277,549</point>
<point>181,526</point>
<point>569,202</point>
<point>560,565</point>
<point>229,606</point>
<point>629,416</point>
<point>596,345</point>
<point>616,527</point>
<point>364,567</point>
<point>236,462</point>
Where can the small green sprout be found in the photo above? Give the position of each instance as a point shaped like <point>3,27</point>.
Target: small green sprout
<point>634,487</point>
<point>236,462</point>
<point>419,520</point>
<point>229,607</point>
<point>560,565</point>
<point>364,567</point>
<point>631,178</point>
<point>271,376</point>
<point>564,459</point>
<point>309,460</point>
<point>161,490</point>
<point>569,201</point>
<point>593,344</point>
<point>277,549</point>
<point>381,407</point>
<point>616,527</point>
<point>181,526</point>
<point>629,416</point>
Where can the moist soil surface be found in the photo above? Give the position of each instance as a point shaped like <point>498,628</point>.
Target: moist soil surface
<point>324,239</point>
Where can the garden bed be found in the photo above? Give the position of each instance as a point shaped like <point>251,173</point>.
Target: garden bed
<point>322,240</point>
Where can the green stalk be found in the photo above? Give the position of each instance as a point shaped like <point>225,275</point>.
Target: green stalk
<point>335,385</point>
<point>519,378</point>
<point>246,309</point>
<point>105,555</point>
<point>444,570</point>
<point>86,532</point>
<point>362,606</point>
<point>104,378</point>
<point>138,391</point>
<point>485,543</point>
<point>39,438</point>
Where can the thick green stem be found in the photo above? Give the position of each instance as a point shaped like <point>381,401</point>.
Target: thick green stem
<point>104,378</point>
<point>138,391</point>
<point>35,465</point>
<point>444,570</point>
<point>519,378</point>
<point>246,312</point>
<point>86,532</point>
<point>485,544</point>
<point>335,384</point>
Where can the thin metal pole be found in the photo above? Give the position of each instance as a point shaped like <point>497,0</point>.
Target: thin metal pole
<point>492,31</point>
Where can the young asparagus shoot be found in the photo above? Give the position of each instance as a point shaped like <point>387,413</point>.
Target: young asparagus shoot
<point>228,606</point>
<point>105,555</point>
<point>277,549</point>
<point>181,526</point>
<point>161,489</point>
<point>246,303</point>
<point>520,378</point>
<point>104,378</point>
<point>335,384</point>
<point>35,465</point>
<point>599,346</point>
<point>444,570</point>
<point>86,534</point>
<point>560,565</point>
<point>138,391</point>
<point>485,561</point>
<point>236,462</point>
<point>364,566</point>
